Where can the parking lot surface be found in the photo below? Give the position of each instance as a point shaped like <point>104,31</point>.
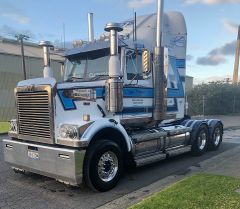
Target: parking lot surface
<point>23,192</point>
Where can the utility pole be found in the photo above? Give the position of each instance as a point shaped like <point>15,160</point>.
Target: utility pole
<point>203,109</point>
<point>236,64</point>
<point>20,38</point>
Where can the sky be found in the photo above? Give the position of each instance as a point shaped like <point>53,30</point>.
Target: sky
<point>212,26</point>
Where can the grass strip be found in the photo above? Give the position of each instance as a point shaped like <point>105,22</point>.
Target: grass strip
<point>198,191</point>
<point>4,127</point>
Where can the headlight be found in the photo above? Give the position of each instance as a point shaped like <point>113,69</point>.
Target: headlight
<point>69,132</point>
<point>13,126</point>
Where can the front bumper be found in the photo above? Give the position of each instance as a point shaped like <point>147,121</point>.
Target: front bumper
<point>59,163</point>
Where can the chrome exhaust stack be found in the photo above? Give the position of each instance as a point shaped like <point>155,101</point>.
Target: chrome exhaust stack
<point>159,109</point>
<point>90,28</point>
<point>114,85</point>
<point>47,71</point>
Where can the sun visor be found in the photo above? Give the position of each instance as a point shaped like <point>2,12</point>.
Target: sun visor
<point>91,50</point>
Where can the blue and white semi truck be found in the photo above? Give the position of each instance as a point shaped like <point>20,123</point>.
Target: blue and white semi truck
<point>121,102</point>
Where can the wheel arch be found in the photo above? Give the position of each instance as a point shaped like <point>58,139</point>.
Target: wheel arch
<point>116,136</point>
<point>195,125</point>
<point>104,128</point>
<point>212,124</point>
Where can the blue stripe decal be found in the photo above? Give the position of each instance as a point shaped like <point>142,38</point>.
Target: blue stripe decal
<point>179,92</point>
<point>180,63</point>
<point>68,103</point>
<point>129,92</point>
<point>100,92</point>
<point>137,92</point>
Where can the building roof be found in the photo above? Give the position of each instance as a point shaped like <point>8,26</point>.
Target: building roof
<point>12,47</point>
<point>188,76</point>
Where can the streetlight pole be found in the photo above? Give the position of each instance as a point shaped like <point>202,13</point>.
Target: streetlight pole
<point>20,38</point>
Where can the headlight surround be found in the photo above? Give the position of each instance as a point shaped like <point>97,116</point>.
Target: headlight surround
<point>81,94</point>
<point>69,132</point>
<point>13,126</point>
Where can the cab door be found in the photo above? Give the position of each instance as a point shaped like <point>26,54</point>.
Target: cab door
<point>138,89</point>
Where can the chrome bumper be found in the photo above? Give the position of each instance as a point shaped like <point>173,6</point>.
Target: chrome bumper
<point>62,164</point>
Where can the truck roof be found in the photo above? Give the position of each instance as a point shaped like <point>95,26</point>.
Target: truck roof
<point>174,24</point>
<point>92,47</point>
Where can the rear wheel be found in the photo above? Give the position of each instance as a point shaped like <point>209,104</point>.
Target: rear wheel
<point>199,143</point>
<point>103,165</point>
<point>216,137</point>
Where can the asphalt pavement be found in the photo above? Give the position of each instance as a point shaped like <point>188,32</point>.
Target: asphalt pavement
<point>23,192</point>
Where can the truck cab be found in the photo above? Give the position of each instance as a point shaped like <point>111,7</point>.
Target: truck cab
<point>119,104</point>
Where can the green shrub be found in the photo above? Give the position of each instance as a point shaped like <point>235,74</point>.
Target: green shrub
<point>215,98</point>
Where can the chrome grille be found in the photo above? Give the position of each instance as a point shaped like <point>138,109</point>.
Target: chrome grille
<point>34,114</point>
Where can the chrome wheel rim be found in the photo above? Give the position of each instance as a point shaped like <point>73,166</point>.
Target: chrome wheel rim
<point>217,136</point>
<point>107,166</point>
<point>202,140</point>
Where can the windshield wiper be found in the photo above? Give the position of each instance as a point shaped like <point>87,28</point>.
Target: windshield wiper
<point>97,77</point>
<point>74,78</point>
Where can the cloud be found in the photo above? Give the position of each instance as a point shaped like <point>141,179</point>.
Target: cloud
<point>16,17</point>
<point>5,30</point>
<point>136,4</point>
<point>10,32</point>
<point>217,56</point>
<point>210,1</point>
<point>226,49</point>
<point>211,60</point>
<point>229,26</point>
<point>11,12</point>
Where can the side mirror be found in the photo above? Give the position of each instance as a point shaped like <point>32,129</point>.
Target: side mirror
<point>146,61</point>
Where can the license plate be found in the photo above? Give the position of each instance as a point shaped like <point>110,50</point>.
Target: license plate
<point>33,155</point>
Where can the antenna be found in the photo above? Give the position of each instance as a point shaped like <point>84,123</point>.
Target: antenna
<point>20,38</point>
<point>133,29</point>
<point>90,28</point>
<point>135,25</point>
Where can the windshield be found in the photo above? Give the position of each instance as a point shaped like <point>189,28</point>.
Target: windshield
<point>87,67</point>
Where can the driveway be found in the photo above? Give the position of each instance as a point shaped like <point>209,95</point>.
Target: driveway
<point>21,192</point>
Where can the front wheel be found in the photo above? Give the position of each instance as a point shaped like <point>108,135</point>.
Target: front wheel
<point>103,165</point>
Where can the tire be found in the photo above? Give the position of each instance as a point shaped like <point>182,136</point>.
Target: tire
<point>103,165</point>
<point>215,137</point>
<point>200,141</point>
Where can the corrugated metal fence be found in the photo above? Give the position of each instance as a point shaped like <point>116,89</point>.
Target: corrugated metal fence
<point>11,73</point>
